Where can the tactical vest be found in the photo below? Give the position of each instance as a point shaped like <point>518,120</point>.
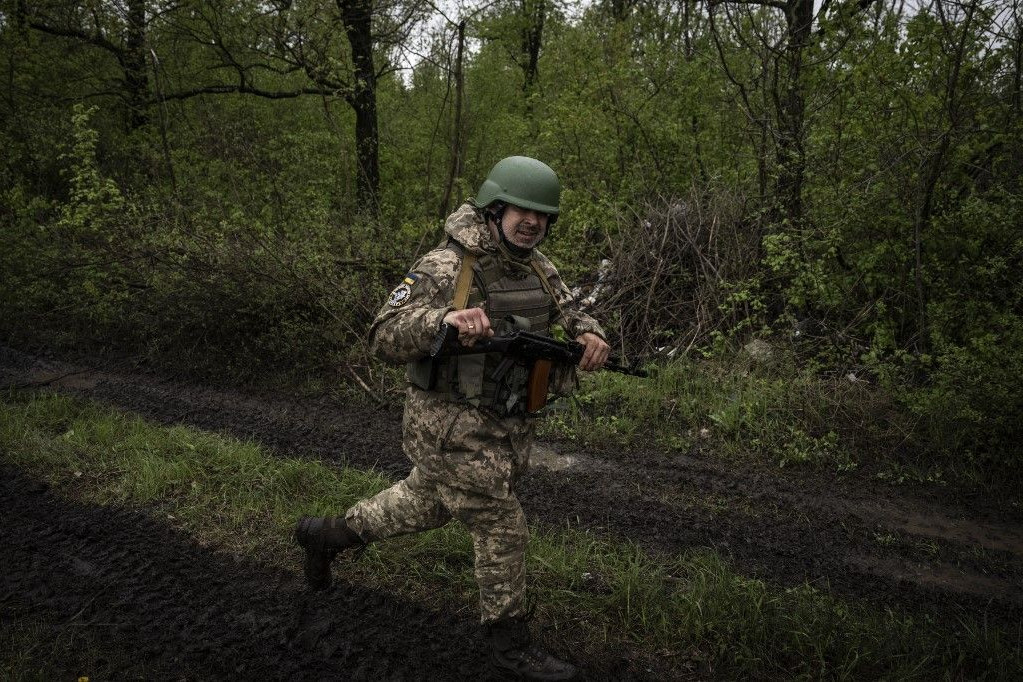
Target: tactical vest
<point>514,296</point>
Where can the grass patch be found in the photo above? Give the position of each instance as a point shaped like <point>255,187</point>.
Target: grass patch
<point>738,409</point>
<point>235,495</point>
<point>228,490</point>
<point>34,651</point>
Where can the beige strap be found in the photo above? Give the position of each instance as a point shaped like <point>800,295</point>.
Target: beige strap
<point>464,281</point>
<point>546,285</point>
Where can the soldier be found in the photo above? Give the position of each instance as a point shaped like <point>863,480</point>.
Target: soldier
<point>468,436</point>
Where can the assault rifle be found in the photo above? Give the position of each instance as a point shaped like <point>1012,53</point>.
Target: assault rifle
<point>536,351</point>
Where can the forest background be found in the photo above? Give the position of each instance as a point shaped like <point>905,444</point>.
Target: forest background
<point>806,215</point>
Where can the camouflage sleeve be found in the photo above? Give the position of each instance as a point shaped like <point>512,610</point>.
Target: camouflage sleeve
<point>409,319</point>
<point>574,321</point>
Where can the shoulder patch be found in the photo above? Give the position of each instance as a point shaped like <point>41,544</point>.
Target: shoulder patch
<point>403,292</point>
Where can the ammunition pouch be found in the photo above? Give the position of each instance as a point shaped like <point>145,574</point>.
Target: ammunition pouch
<point>422,373</point>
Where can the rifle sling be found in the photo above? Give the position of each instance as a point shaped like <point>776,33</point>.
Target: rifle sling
<point>464,280</point>
<point>546,285</point>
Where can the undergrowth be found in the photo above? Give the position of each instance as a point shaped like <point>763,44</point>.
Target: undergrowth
<point>691,606</point>
<point>735,408</point>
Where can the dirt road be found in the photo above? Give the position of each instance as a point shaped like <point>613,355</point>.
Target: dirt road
<point>856,536</point>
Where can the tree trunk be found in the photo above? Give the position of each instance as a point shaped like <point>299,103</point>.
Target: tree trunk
<point>456,133</point>
<point>1017,54</point>
<point>136,78</point>
<point>687,30</point>
<point>694,122</point>
<point>533,13</point>
<point>933,168</point>
<point>357,16</point>
<point>620,9</point>
<point>791,113</point>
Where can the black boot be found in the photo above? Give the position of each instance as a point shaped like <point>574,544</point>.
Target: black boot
<point>322,538</point>
<point>515,655</point>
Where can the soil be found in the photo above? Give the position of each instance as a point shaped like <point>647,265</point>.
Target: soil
<point>155,605</point>
<point>915,548</point>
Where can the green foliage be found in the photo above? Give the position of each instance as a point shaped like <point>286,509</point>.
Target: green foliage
<point>95,201</point>
<point>740,408</point>
<point>971,405</point>
<point>803,261</point>
<point>89,224</point>
<point>226,230</point>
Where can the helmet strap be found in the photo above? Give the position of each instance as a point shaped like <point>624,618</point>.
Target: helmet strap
<point>497,214</point>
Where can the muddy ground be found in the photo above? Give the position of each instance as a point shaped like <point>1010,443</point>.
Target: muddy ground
<point>148,603</point>
<point>919,549</point>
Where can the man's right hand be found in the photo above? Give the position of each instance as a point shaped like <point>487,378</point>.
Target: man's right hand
<point>472,324</point>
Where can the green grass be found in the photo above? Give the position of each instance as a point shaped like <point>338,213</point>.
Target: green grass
<point>737,409</point>
<point>237,496</point>
<point>788,415</point>
<point>34,651</point>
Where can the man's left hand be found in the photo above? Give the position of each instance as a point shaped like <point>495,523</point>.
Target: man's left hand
<point>596,352</point>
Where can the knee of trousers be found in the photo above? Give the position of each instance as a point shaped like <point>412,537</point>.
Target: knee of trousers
<point>502,547</point>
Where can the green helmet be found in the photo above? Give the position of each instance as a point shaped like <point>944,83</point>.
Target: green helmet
<point>524,182</point>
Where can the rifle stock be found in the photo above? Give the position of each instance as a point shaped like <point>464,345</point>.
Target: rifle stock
<point>536,388</point>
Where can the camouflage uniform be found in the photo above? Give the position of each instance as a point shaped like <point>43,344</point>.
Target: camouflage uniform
<point>466,460</point>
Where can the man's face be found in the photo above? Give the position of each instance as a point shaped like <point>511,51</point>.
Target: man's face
<point>523,227</point>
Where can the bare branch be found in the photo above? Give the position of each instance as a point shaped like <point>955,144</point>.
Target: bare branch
<point>96,39</point>
<point>245,88</point>
<point>777,4</point>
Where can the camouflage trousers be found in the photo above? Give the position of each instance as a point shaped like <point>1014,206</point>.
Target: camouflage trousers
<point>497,526</point>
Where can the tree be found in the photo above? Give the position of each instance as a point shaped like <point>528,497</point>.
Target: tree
<point>277,51</point>
<point>118,30</point>
<point>297,47</point>
<point>781,114</point>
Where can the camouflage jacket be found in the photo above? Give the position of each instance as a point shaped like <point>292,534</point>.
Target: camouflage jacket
<point>452,442</point>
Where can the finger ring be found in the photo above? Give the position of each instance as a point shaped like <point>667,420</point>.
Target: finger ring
<point>471,325</point>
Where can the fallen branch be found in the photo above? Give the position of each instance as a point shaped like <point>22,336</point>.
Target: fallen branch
<point>377,399</point>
